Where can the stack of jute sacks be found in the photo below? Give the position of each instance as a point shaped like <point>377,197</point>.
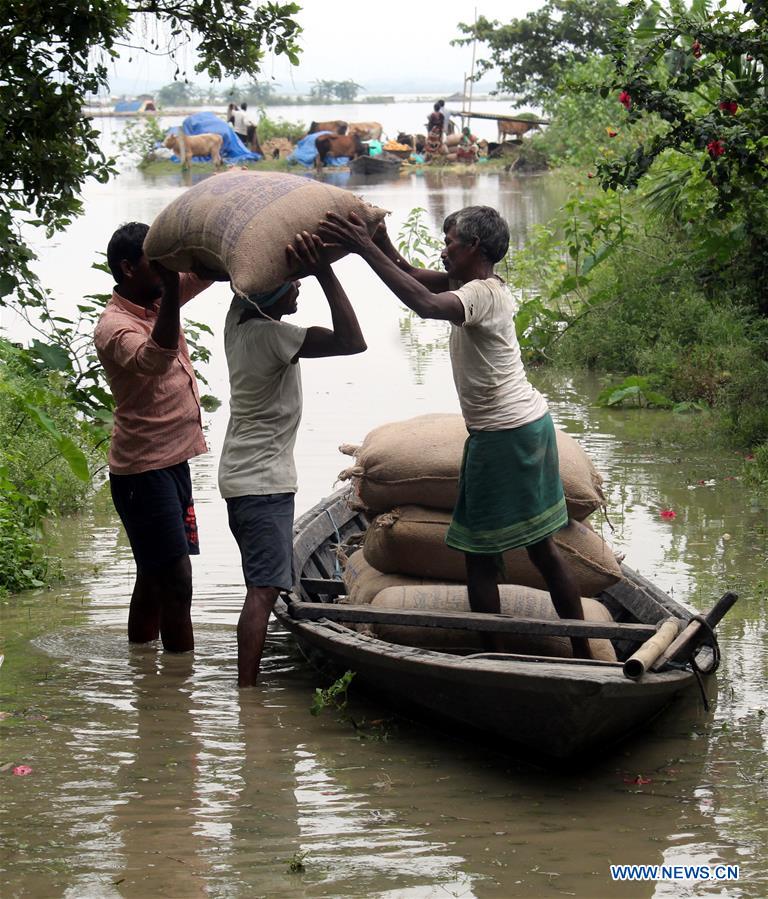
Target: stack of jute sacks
<point>240,223</point>
<point>406,475</point>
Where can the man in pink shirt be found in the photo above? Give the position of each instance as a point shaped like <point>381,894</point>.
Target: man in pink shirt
<point>157,429</point>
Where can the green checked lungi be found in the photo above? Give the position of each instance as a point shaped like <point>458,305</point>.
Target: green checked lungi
<point>510,492</point>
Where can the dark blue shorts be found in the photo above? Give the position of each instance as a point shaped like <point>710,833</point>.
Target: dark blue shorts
<point>158,514</point>
<point>263,528</point>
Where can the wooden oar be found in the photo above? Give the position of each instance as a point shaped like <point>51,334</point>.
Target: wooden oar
<point>684,647</point>
<point>639,662</point>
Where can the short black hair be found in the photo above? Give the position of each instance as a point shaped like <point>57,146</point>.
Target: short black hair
<point>484,224</point>
<point>126,243</point>
<point>243,106</point>
<point>439,105</point>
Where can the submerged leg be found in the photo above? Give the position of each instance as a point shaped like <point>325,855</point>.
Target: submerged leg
<point>252,632</point>
<point>562,588</point>
<point>144,611</point>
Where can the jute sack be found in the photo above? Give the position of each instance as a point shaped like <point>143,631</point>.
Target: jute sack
<point>241,222</point>
<point>520,602</point>
<point>417,461</point>
<point>411,540</point>
<point>363,581</point>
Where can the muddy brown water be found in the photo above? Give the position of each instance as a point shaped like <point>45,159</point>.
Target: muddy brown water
<point>153,776</point>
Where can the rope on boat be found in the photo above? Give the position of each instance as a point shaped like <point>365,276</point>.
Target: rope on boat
<point>710,640</point>
<point>337,573</point>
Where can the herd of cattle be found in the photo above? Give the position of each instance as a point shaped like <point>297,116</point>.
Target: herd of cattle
<point>337,138</point>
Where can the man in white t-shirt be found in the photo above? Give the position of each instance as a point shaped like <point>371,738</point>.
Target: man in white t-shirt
<point>257,474</point>
<point>510,493</point>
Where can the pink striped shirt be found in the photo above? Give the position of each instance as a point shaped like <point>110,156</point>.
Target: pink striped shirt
<point>157,404</point>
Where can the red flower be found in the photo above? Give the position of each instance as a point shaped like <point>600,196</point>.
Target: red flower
<point>610,132</point>
<point>715,148</point>
<point>729,106</point>
<point>590,174</point>
<point>696,48</point>
<point>625,99</point>
<point>22,770</point>
<point>668,514</point>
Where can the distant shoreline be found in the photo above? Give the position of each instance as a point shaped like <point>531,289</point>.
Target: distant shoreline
<point>107,112</point>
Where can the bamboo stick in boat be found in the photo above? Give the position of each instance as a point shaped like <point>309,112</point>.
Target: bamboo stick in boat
<point>687,642</point>
<point>641,660</point>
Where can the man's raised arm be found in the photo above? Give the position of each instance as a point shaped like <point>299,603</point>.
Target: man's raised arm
<point>352,234</point>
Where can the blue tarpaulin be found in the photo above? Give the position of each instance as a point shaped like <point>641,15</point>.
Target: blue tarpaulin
<point>306,151</point>
<point>232,148</point>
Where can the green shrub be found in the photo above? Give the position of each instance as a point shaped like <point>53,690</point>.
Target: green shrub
<point>36,479</point>
<point>269,128</point>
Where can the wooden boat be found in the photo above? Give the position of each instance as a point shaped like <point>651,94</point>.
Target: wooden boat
<point>383,164</point>
<point>552,708</point>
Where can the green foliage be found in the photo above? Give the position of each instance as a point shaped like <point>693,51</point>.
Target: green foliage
<point>177,93</point>
<point>54,54</point>
<point>634,390</point>
<point>585,127</point>
<point>343,91</point>
<point>531,53</point>
<point>44,463</point>
<point>139,138</point>
<point>269,128</point>
<point>701,71</point>
<point>417,243</point>
<point>333,697</point>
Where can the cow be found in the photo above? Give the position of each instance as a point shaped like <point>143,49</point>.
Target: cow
<point>366,130</point>
<point>337,126</point>
<point>337,145</point>
<point>517,128</point>
<point>185,146</point>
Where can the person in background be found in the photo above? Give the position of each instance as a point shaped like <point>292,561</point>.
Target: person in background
<point>257,473</point>
<point>231,109</point>
<point>245,128</point>
<point>436,120</point>
<point>467,149</point>
<point>510,492</point>
<point>157,429</point>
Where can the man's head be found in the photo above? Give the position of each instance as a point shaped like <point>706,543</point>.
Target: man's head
<point>439,105</point>
<point>475,234</point>
<point>243,106</point>
<point>275,304</point>
<point>137,280</point>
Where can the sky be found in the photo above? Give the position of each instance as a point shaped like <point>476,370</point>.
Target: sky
<point>399,45</point>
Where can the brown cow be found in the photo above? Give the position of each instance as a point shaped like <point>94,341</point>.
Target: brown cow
<point>337,126</point>
<point>517,128</point>
<point>185,146</point>
<point>337,145</point>
<point>366,130</point>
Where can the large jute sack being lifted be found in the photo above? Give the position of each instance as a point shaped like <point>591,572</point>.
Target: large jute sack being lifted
<point>411,540</point>
<point>363,581</point>
<point>517,601</point>
<point>241,222</point>
<point>418,461</point>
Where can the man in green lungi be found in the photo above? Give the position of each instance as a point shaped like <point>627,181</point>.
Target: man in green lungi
<point>510,493</point>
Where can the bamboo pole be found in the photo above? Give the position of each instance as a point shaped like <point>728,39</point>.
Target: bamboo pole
<point>639,662</point>
<point>687,642</point>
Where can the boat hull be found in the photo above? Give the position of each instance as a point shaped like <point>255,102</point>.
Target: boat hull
<point>552,710</point>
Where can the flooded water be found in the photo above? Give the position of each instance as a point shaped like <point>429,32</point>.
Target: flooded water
<point>153,776</point>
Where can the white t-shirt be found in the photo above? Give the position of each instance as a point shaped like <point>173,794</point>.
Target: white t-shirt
<point>265,406</point>
<point>242,121</point>
<point>494,391</point>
